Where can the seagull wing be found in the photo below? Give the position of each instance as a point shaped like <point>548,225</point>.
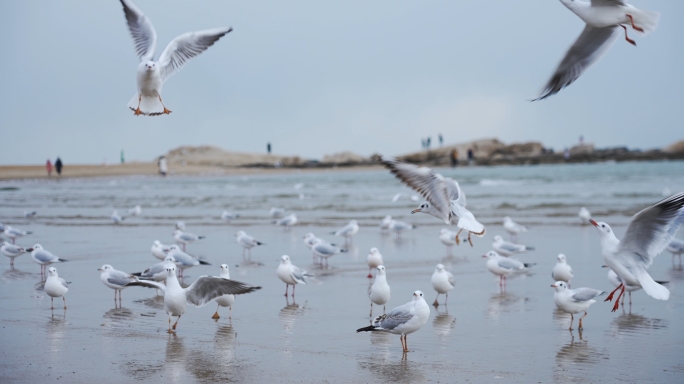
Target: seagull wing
<point>430,184</point>
<point>142,31</point>
<point>585,294</point>
<point>185,47</point>
<point>652,229</point>
<point>507,263</point>
<point>590,46</point>
<point>64,283</point>
<point>148,284</point>
<point>455,192</point>
<point>120,278</point>
<point>603,3</point>
<point>395,318</point>
<point>298,275</point>
<point>207,288</point>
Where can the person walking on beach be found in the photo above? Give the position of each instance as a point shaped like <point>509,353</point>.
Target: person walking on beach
<point>268,148</point>
<point>441,140</point>
<point>471,156</point>
<point>163,167</point>
<point>58,166</point>
<point>48,166</point>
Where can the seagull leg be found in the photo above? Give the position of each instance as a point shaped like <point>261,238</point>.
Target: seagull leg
<point>170,331</point>
<point>287,287</point>
<point>436,304</point>
<point>370,275</point>
<point>405,344</point>
<point>137,110</point>
<point>634,26</point>
<point>627,37</point>
<point>52,303</point>
<point>230,312</point>
<point>446,299</point>
<point>580,324</point>
<point>371,310</point>
<point>176,323</point>
<point>458,241</point>
<point>166,112</point>
<point>610,297</point>
<point>470,240</point>
<point>383,309</point>
<point>617,301</point>
<point>183,247</point>
<point>216,315</point>
<point>572,318</point>
<point>293,289</point>
<point>64,300</point>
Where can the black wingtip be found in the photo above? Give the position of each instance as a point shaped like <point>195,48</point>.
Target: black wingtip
<point>365,329</point>
<point>344,250</point>
<point>62,260</point>
<point>260,243</point>
<point>527,265</point>
<point>202,262</point>
<point>662,282</point>
<point>138,274</point>
<point>201,237</point>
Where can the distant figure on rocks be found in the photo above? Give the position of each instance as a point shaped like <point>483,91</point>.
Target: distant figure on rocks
<point>123,160</point>
<point>566,154</point>
<point>471,156</point>
<point>48,167</point>
<point>58,166</point>
<point>427,143</point>
<point>163,167</point>
<point>454,157</point>
<point>268,148</point>
<point>441,139</point>
<point>581,140</point>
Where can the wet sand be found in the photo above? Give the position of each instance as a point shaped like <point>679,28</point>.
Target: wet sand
<point>482,335</point>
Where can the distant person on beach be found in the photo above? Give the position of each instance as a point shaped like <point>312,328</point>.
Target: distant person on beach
<point>268,148</point>
<point>427,143</point>
<point>454,157</point>
<point>566,154</point>
<point>48,166</point>
<point>163,167</point>
<point>58,166</point>
<point>122,157</point>
<point>441,140</point>
<point>471,156</point>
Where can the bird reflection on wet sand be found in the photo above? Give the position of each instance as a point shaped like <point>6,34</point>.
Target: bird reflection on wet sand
<point>505,302</point>
<point>443,323</point>
<point>576,360</point>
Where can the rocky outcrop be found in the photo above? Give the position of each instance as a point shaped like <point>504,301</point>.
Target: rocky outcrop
<point>208,155</point>
<point>675,148</point>
<point>345,158</point>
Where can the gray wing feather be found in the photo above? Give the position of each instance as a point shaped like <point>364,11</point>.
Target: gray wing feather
<point>598,3</point>
<point>652,229</point>
<point>207,288</point>
<point>44,256</point>
<point>589,47</point>
<point>395,318</point>
<point>510,263</point>
<point>298,275</point>
<point>64,283</point>
<point>120,278</point>
<point>325,249</point>
<point>185,47</point>
<point>585,294</point>
<point>451,279</point>
<point>148,284</point>
<point>142,31</point>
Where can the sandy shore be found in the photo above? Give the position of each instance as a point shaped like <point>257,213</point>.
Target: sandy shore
<point>9,172</point>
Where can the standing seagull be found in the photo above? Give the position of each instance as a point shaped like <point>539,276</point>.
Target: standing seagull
<point>648,234</point>
<point>503,266</point>
<point>324,250</point>
<point>287,221</point>
<point>507,248</point>
<point>379,291</point>
<point>12,251</point>
<point>228,216</point>
<point>348,231</point>
<point>44,257</point>
<point>562,270</point>
<point>247,242</point>
<point>290,274</point>
<point>584,216</point>
<point>185,237</point>
<point>676,247</point>
<point>201,292</point>
<point>374,259</point>
<point>399,227</point>
<point>403,319</point>
<point>116,280</point>
<point>225,300</point>
<point>115,217</point>
<point>55,286</point>
<point>448,238</point>
<point>159,250</point>
<point>513,228</point>
<point>574,300</point>
<point>152,74</point>
<point>603,19</point>
<point>442,282</point>
<point>616,281</point>
<point>14,233</point>
<point>445,199</point>
<point>135,211</point>
<point>183,260</point>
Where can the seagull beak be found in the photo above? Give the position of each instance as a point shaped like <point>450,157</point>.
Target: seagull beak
<point>604,266</point>
<point>485,256</point>
<point>595,224</point>
<point>416,210</point>
<point>553,285</point>
<point>29,250</point>
<point>99,269</point>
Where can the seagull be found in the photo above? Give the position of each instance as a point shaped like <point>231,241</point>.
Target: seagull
<point>201,292</point>
<point>325,250</point>
<point>584,216</point>
<point>616,281</point>
<point>156,272</point>
<point>603,19</point>
<point>287,221</point>
<point>348,230</point>
<point>15,233</point>
<point>676,247</point>
<point>379,291</point>
<point>44,257</point>
<point>183,260</point>
<point>442,282</point>
<point>159,250</point>
<point>55,286</point>
<point>445,199</point>
<point>507,248</point>
<point>277,212</point>
<point>290,274</point>
<point>135,211</point>
<point>374,259</point>
<point>30,214</point>
<point>648,234</point>
<point>562,270</point>
<point>116,218</point>
<point>402,320</point>
<point>180,225</point>
<point>398,227</point>
<point>504,266</point>
<point>185,237</point>
<point>247,242</point>
<point>513,228</point>
<point>12,251</point>
<point>116,280</point>
<point>448,238</point>
<point>228,216</point>
<point>384,224</point>
<point>574,300</point>
<point>225,300</point>
<point>151,74</point>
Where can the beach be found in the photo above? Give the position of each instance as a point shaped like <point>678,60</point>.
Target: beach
<point>483,334</point>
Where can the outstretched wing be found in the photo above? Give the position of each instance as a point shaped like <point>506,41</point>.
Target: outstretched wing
<point>148,284</point>
<point>185,47</point>
<point>430,184</point>
<point>455,191</point>
<point>207,288</point>
<point>142,31</point>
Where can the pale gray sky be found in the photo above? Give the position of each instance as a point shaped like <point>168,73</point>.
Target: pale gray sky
<point>317,77</point>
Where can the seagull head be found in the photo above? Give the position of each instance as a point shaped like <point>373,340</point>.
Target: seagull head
<point>603,228</point>
<point>559,286</point>
<point>374,251</point>
<point>171,270</point>
<point>417,295</point>
<point>381,269</point>
<point>423,207</point>
<point>561,258</point>
<point>105,267</point>
<point>169,259</point>
<point>285,259</point>
<point>439,268</point>
<point>240,233</point>
<point>52,271</point>
<point>498,239</point>
<point>37,247</point>
<point>490,255</point>
<point>151,66</point>
<point>506,219</point>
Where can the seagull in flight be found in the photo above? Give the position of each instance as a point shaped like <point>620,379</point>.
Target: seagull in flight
<point>151,74</point>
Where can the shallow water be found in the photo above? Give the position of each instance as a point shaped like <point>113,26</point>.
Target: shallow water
<point>483,334</point>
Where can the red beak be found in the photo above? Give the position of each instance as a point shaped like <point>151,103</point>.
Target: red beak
<point>593,222</point>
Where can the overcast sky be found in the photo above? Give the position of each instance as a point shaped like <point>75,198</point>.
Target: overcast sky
<point>318,77</point>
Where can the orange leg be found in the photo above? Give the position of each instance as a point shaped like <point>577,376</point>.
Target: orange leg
<point>458,241</point>
<point>580,324</point>
<point>634,26</point>
<point>176,323</point>
<point>137,111</point>
<point>617,301</point>
<point>166,111</point>
<point>610,297</point>
<point>627,37</point>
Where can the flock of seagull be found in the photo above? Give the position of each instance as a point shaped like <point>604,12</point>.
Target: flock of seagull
<point>651,231</point>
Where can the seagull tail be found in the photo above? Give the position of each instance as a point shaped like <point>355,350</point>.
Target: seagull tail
<point>62,260</point>
<point>528,265</point>
<point>149,106</point>
<point>201,237</point>
<point>652,288</point>
<point>366,329</point>
<point>646,20</point>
